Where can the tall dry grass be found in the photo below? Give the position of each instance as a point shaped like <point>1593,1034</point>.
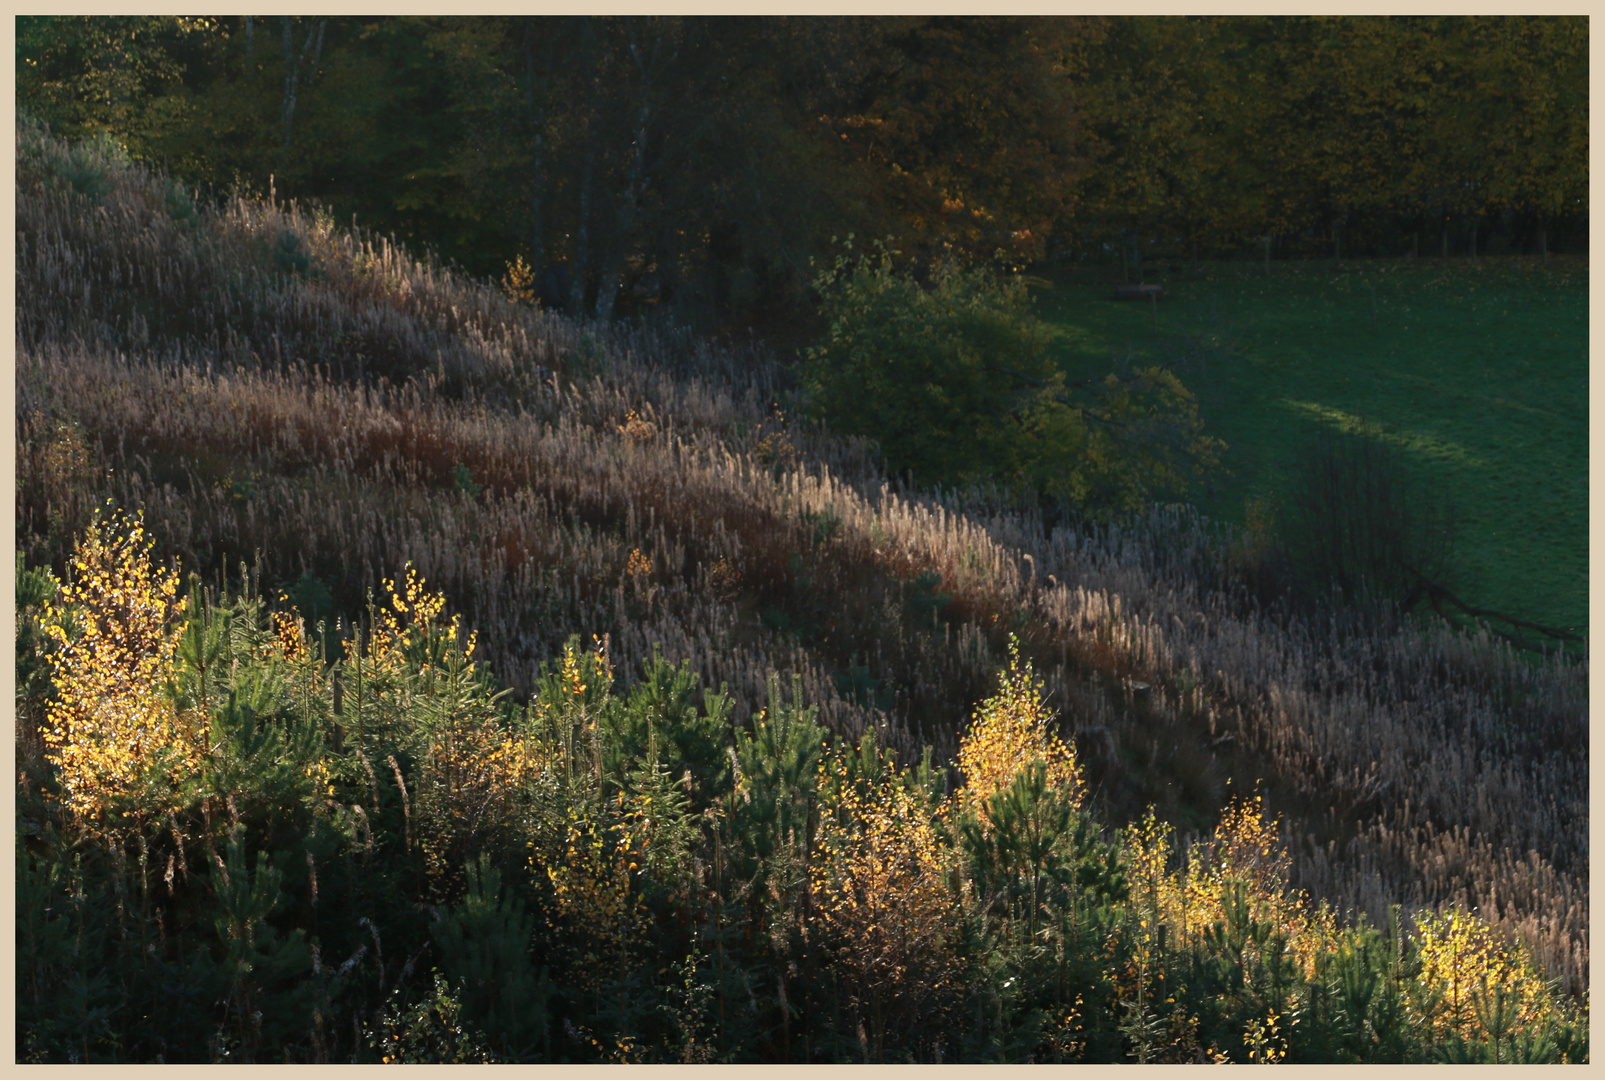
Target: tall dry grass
<point>310,408</point>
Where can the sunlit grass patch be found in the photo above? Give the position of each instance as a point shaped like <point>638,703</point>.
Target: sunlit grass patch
<point>1425,445</point>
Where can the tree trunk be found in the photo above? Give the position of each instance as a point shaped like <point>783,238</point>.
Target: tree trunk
<point>624,222</point>
<point>1446,241</point>
<point>582,234</point>
<point>317,52</point>
<point>288,112</point>
<point>537,119</point>
<point>1543,243</point>
<point>1474,221</point>
<point>250,43</point>
<point>634,187</point>
<point>293,65</point>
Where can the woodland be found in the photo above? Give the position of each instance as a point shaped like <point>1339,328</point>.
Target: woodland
<point>573,539</point>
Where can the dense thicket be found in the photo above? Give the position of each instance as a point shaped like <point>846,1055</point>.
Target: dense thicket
<point>703,161</point>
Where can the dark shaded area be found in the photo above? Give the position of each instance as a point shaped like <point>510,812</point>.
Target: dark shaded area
<point>696,165</point>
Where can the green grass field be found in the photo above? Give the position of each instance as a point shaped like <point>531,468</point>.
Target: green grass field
<point>1479,372</point>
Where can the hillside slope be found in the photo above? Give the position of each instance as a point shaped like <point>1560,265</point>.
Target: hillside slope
<point>274,391</point>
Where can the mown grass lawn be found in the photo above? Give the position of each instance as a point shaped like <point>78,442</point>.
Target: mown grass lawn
<point>1479,371</point>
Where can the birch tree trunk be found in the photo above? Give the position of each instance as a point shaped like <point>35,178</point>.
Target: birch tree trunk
<point>537,119</point>
<point>293,64</point>
<point>582,235</point>
<point>634,185</point>
<point>317,52</point>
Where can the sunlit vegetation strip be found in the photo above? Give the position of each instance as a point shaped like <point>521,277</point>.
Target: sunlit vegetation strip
<point>246,849</point>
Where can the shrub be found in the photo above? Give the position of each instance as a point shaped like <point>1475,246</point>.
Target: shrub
<point>1013,731</point>
<point>34,590</point>
<point>882,900</point>
<point>89,168</point>
<point>430,1031</point>
<point>586,902</point>
<point>180,205</point>
<point>291,256</point>
<point>954,382</point>
<point>120,745</point>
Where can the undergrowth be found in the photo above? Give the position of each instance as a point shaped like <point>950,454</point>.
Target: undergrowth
<point>380,857</point>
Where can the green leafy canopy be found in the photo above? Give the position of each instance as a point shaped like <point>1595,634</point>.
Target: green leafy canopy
<point>954,381</point>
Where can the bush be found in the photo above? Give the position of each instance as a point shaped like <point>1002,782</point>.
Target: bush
<point>89,166</point>
<point>180,205</point>
<point>291,256</point>
<point>954,381</point>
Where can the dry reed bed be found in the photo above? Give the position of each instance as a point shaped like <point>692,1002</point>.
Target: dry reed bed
<point>212,290</point>
<point>356,487</point>
<point>1464,766</point>
<point>130,265</point>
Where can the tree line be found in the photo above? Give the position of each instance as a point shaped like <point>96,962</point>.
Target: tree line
<point>622,161</point>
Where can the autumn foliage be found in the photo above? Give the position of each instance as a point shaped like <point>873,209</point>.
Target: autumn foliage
<point>120,743</point>
<point>1013,729</point>
<point>261,808</point>
<point>585,908</point>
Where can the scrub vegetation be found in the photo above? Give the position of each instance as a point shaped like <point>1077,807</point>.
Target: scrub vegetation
<point>410,673</point>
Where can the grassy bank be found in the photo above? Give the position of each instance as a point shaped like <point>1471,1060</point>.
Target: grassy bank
<point>1477,370</point>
